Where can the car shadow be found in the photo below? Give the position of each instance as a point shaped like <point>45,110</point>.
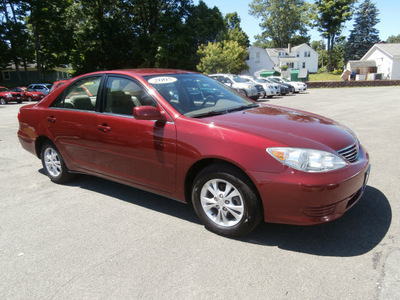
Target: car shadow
<point>357,232</point>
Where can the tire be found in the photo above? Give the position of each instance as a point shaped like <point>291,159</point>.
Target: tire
<point>269,97</point>
<point>29,99</point>
<point>3,101</point>
<point>53,164</point>
<point>243,92</point>
<point>224,200</point>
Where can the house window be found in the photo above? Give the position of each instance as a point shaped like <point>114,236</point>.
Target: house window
<point>304,64</point>
<point>290,65</point>
<point>298,54</point>
<point>281,54</point>
<point>307,53</point>
<point>6,75</point>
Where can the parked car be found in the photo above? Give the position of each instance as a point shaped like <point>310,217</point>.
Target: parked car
<point>236,161</point>
<point>298,86</point>
<point>28,94</point>
<point>234,81</point>
<point>9,96</point>
<point>270,90</point>
<point>284,89</point>
<point>41,87</point>
<point>58,83</point>
<point>281,82</point>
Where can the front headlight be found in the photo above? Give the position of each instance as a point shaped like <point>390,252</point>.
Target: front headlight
<point>307,160</point>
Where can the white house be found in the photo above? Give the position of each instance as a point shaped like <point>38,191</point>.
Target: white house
<point>259,60</point>
<point>387,59</point>
<point>298,57</point>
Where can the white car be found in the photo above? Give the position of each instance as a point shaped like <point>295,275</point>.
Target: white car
<point>275,86</point>
<point>269,89</point>
<point>298,85</point>
<point>249,89</point>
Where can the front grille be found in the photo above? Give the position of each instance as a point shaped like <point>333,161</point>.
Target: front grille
<point>259,87</point>
<point>350,153</point>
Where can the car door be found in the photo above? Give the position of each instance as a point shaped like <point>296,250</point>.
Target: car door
<point>71,122</point>
<point>142,152</point>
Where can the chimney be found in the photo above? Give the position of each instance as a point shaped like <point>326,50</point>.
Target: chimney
<point>289,48</point>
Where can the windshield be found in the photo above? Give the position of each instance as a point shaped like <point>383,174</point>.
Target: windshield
<point>238,79</point>
<point>276,80</point>
<point>285,80</point>
<point>3,89</point>
<point>258,80</point>
<point>196,95</point>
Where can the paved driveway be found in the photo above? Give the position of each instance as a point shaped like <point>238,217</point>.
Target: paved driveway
<point>101,240</point>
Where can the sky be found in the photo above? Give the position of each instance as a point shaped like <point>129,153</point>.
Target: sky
<point>388,14</point>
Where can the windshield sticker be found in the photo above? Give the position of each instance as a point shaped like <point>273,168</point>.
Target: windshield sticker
<point>162,80</point>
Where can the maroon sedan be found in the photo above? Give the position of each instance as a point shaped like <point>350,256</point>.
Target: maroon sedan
<point>188,137</point>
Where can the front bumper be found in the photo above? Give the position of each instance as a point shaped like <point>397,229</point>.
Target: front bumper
<point>299,198</point>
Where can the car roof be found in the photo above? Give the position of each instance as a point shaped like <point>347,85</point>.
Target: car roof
<point>143,72</point>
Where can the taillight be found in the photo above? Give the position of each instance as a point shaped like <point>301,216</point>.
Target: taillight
<point>19,116</point>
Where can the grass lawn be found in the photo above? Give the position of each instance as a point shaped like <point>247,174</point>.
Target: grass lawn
<point>324,77</point>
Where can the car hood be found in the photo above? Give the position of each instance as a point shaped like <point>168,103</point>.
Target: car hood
<point>288,127</point>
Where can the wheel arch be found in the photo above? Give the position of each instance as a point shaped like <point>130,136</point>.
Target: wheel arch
<point>39,143</point>
<point>197,167</point>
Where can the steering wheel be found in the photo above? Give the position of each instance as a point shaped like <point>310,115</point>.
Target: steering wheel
<point>209,99</point>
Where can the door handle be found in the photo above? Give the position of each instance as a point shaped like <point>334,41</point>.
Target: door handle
<point>104,128</point>
<point>51,119</point>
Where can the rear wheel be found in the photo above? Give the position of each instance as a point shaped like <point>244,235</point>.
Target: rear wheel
<point>3,101</point>
<point>54,165</point>
<point>225,201</point>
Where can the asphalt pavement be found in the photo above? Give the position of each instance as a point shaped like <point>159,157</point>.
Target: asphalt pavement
<point>96,239</point>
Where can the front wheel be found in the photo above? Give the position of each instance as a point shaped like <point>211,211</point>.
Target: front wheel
<point>224,200</point>
<point>54,165</point>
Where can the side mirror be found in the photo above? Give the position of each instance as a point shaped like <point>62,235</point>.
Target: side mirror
<point>148,113</point>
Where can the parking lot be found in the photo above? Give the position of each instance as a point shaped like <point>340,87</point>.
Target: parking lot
<point>97,239</point>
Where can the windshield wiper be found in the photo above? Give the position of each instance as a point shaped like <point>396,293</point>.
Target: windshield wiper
<point>209,114</point>
<point>221,112</point>
<point>243,107</point>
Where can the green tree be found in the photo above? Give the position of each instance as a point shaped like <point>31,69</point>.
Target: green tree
<point>15,38</point>
<point>47,22</point>
<point>233,31</point>
<point>330,18</point>
<point>283,21</point>
<point>222,57</point>
<point>393,39</point>
<point>320,47</point>
<point>364,34</point>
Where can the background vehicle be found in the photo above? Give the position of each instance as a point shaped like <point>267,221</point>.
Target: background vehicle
<point>9,96</point>
<point>28,94</point>
<point>57,84</point>
<point>298,86</point>
<point>248,89</point>
<point>283,88</point>
<point>281,82</point>
<point>269,89</point>
<point>41,87</point>
<point>188,137</point>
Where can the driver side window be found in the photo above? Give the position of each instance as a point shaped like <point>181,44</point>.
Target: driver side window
<point>123,94</point>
